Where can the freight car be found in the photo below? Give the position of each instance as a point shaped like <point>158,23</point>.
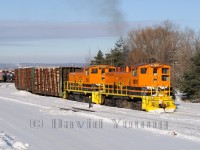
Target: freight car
<point>141,87</point>
<point>47,81</point>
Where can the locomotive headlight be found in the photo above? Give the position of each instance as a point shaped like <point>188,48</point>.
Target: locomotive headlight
<point>149,87</point>
<point>162,87</point>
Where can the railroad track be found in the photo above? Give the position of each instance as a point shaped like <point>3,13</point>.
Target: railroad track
<point>140,117</point>
<point>185,114</point>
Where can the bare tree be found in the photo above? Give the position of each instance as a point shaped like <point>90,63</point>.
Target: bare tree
<point>88,58</point>
<point>163,43</point>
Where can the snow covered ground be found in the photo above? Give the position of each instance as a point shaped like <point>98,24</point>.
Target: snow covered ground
<point>36,122</point>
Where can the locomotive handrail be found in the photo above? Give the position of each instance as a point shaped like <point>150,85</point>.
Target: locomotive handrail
<point>115,89</point>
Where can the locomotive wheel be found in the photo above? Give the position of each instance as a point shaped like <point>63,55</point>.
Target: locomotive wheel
<point>137,105</point>
<point>86,99</point>
<point>71,97</point>
<point>127,104</point>
<point>103,99</point>
<point>109,102</point>
<point>79,98</point>
<point>76,97</point>
<point>106,102</point>
<point>119,103</point>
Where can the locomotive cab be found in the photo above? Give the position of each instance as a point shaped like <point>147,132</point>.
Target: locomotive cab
<point>151,75</point>
<point>96,74</point>
<point>152,82</point>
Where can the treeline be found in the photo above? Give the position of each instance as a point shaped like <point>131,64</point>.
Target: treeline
<point>163,43</point>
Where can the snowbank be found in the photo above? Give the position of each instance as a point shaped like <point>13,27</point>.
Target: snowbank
<point>9,143</point>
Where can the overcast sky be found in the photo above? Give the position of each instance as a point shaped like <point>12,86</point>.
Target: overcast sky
<point>68,31</point>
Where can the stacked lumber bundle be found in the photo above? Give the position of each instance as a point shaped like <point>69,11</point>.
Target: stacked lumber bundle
<point>43,80</point>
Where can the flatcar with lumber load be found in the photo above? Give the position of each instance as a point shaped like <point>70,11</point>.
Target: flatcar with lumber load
<point>47,81</point>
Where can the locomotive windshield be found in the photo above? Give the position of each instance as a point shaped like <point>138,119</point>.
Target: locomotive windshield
<point>134,72</point>
<point>165,70</point>
<point>111,69</point>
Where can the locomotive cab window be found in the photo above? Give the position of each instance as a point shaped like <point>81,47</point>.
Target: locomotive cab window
<point>103,70</point>
<point>94,71</point>
<point>143,70</point>
<point>155,71</point>
<point>87,72</point>
<point>134,72</point>
<point>165,70</point>
<point>165,77</point>
<point>111,70</point>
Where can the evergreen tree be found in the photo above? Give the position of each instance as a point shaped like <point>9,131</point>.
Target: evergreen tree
<point>191,78</point>
<point>99,59</point>
<point>118,55</point>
